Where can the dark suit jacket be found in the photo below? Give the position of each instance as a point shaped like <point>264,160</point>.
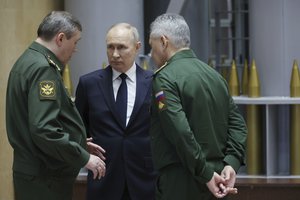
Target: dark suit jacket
<point>128,154</point>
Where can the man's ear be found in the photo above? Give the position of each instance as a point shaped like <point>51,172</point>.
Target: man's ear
<point>138,45</point>
<point>59,38</point>
<point>164,41</point>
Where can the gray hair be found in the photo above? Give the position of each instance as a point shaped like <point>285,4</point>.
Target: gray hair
<point>174,27</point>
<point>134,31</point>
<point>58,22</point>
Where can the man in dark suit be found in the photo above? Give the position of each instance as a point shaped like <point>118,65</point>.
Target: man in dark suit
<point>122,130</point>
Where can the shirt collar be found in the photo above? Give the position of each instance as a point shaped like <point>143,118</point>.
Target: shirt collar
<point>130,73</point>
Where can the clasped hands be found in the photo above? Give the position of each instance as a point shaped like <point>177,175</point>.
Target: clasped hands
<point>221,185</point>
<point>96,161</point>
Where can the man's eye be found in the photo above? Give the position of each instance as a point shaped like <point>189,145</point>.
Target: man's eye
<point>121,47</point>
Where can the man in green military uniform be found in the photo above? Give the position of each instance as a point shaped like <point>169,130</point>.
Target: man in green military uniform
<point>198,136</point>
<point>43,125</point>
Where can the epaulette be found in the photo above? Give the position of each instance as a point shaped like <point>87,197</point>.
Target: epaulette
<point>51,62</point>
<point>159,69</point>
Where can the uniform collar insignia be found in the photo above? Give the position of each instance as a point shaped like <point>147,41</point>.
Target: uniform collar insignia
<point>159,69</point>
<point>51,62</point>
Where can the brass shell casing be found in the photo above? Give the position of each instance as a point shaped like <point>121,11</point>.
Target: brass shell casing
<point>67,80</point>
<point>233,82</point>
<point>253,84</point>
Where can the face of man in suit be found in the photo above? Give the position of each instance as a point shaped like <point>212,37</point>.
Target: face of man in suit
<point>122,46</point>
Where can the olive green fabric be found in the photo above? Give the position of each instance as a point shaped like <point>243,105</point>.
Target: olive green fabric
<point>195,123</point>
<point>28,187</point>
<point>43,124</point>
<point>180,186</point>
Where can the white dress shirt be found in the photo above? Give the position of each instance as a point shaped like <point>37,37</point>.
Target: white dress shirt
<point>131,87</point>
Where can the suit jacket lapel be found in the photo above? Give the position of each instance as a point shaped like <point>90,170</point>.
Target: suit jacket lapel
<point>142,88</point>
<point>105,84</point>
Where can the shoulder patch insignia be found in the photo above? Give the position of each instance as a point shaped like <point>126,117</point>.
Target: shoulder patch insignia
<point>47,90</point>
<point>160,99</point>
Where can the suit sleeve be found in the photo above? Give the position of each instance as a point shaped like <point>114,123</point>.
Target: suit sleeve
<point>82,104</point>
<point>177,130</point>
<point>47,132</point>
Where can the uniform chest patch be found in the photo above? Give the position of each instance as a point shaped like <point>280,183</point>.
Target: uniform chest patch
<point>47,90</point>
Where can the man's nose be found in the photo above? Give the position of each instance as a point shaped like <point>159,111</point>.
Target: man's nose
<point>116,53</point>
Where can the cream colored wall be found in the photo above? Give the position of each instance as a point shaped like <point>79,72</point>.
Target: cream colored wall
<point>19,20</point>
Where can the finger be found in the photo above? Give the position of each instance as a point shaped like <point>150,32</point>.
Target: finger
<point>102,169</point>
<point>232,190</point>
<point>89,139</point>
<point>219,194</point>
<point>103,172</point>
<point>96,150</point>
<point>95,173</point>
<point>102,163</point>
<point>225,174</point>
<point>101,149</point>
<point>97,147</point>
<point>99,172</point>
<point>102,156</point>
<point>99,154</point>
<point>222,188</point>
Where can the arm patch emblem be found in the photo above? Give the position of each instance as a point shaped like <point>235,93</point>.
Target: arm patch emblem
<point>161,100</point>
<point>47,90</point>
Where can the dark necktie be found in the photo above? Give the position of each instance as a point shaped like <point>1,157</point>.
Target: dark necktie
<point>121,100</point>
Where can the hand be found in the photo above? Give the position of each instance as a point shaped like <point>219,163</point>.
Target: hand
<point>95,149</point>
<point>97,166</point>
<point>214,185</point>
<point>229,175</point>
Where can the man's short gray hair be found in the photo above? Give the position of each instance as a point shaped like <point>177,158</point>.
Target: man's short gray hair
<point>134,31</point>
<point>174,27</point>
<point>58,22</point>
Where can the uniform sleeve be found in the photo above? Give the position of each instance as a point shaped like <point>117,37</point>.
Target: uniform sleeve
<point>44,107</point>
<point>177,130</point>
<point>237,136</point>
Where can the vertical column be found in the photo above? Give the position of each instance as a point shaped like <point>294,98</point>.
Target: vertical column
<point>196,13</point>
<point>15,17</point>
<point>272,45</point>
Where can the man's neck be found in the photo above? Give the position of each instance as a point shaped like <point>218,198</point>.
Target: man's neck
<point>48,45</point>
<point>173,51</point>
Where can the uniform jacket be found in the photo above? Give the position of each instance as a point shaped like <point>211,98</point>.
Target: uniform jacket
<point>195,122</point>
<point>128,154</point>
<point>43,124</point>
